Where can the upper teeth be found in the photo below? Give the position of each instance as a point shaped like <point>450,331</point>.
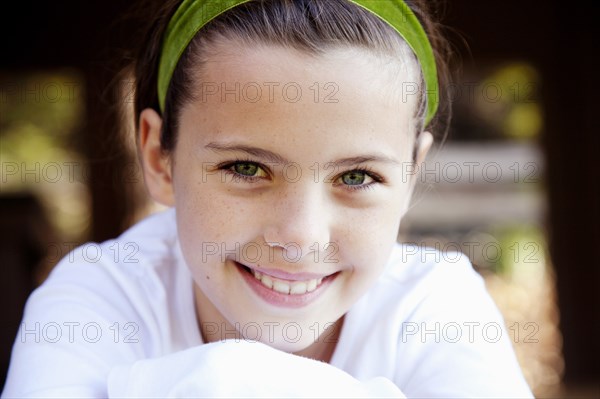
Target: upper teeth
<point>295,288</point>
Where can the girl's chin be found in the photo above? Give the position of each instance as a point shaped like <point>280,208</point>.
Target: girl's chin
<point>308,338</point>
<point>317,350</point>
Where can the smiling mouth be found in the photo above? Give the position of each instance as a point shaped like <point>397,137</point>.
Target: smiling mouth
<point>285,286</point>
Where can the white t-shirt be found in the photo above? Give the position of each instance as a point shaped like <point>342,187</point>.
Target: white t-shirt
<point>118,319</point>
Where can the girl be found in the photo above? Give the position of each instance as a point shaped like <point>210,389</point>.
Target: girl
<point>280,133</point>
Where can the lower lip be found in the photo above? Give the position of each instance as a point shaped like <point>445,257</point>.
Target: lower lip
<point>284,300</point>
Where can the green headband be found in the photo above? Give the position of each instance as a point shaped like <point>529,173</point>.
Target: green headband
<point>192,15</point>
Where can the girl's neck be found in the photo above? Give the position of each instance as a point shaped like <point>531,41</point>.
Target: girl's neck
<point>324,348</point>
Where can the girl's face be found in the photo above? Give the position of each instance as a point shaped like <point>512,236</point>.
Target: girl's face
<point>280,147</point>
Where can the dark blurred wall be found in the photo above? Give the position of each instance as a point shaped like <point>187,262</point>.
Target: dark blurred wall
<point>89,37</point>
<point>559,40</point>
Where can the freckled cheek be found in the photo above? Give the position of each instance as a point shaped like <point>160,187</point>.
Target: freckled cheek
<point>367,242</point>
<point>207,229</point>
<point>207,216</point>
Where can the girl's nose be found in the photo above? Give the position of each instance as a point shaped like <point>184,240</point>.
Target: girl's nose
<point>299,220</point>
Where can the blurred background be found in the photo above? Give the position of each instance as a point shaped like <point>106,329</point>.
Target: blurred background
<point>514,186</point>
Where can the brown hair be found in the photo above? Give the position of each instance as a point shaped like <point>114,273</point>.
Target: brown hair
<point>311,26</point>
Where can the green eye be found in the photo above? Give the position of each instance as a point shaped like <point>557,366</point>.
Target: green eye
<point>354,178</point>
<point>246,168</point>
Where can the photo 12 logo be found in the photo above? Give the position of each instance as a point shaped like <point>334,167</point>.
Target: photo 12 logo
<point>89,332</point>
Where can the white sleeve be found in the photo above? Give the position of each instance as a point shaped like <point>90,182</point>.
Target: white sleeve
<point>231,368</point>
<point>454,343</point>
<point>75,327</point>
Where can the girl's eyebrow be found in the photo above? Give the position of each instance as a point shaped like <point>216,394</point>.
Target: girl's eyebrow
<point>363,159</point>
<point>278,159</point>
<point>254,151</point>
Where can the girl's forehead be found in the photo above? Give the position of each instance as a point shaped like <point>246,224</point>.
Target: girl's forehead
<point>276,63</point>
<point>270,85</point>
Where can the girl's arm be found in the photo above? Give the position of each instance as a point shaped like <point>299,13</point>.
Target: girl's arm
<point>76,326</point>
<point>239,368</point>
<point>93,331</point>
<point>455,343</point>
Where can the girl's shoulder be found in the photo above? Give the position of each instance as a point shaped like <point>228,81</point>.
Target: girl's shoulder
<point>136,279</point>
<point>413,265</point>
<point>150,244</point>
<point>419,282</point>
<point>432,312</point>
